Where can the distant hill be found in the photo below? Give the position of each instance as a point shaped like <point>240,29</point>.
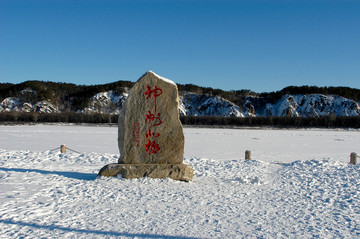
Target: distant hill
<point>50,97</point>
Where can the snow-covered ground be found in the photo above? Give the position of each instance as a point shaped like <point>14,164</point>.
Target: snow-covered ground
<point>45,194</point>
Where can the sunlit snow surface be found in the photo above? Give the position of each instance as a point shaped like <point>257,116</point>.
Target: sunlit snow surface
<point>45,194</point>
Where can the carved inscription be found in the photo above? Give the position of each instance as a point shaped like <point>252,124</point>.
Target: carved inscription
<point>152,119</point>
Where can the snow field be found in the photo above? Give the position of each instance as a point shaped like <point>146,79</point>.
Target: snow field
<point>52,195</point>
<point>269,145</point>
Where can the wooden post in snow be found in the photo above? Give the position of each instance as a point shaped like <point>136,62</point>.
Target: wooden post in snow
<point>63,149</point>
<point>353,157</point>
<point>248,155</point>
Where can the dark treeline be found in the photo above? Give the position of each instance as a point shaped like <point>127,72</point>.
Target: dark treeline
<point>280,122</point>
<point>69,117</point>
<point>69,97</point>
<point>346,92</point>
<point>235,96</point>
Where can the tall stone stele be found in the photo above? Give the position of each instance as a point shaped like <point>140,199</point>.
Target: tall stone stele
<point>151,138</point>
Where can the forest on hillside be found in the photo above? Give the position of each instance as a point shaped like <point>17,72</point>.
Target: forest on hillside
<point>70,96</point>
<point>73,97</point>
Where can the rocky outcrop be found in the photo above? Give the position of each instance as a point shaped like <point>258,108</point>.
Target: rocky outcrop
<point>204,105</point>
<point>313,105</point>
<point>151,138</point>
<point>150,130</point>
<point>108,102</point>
<point>179,172</point>
<point>10,104</point>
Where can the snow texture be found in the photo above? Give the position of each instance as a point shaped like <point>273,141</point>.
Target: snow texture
<point>306,105</point>
<point>162,78</point>
<point>15,104</point>
<point>106,103</point>
<point>201,105</point>
<point>46,194</point>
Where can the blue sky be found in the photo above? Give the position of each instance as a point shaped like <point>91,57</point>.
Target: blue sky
<point>258,45</point>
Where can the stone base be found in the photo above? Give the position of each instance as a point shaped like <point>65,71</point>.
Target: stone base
<point>182,172</point>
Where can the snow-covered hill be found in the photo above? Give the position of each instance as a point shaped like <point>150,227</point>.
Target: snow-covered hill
<point>16,104</point>
<point>25,103</point>
<point>193,104</point>
<point>105,102</point>
<point>304,105</point>
<point>200,105</point>
<point>208,105</point>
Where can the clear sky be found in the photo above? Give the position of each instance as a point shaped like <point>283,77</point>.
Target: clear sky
<point>258,45</point>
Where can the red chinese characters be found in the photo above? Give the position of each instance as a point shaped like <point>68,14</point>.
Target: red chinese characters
<point>155,93</point>
<point>152,147</point>
<point>151,134</point>
<point>153,119</point>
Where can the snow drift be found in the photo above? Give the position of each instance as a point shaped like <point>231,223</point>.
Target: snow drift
<point>53,195</point>
<point>46,194</point>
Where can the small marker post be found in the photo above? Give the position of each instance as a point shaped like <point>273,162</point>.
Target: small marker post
<point>247,155</point>
<point>63,149</point>
<point>353,157</point>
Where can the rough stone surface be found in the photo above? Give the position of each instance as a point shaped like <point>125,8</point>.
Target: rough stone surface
<point>180,172</point>
<point>150,130</point>
<point>151,138</point>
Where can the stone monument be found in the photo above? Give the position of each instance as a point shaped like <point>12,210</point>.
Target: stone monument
<point>150,137</point>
